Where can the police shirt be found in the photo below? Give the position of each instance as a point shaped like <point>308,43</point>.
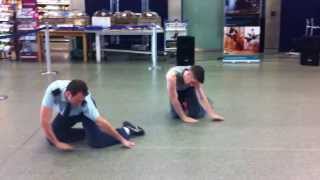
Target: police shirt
<point>54,98</point>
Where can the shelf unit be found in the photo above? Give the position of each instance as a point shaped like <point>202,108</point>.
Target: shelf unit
<point>7,26</point>
<point>27,19</point>
<point>173,29</point>
<point>53,11</point>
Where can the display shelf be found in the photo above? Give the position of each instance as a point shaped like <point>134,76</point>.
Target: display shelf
<point>27,20</point>
<point>7,27</point>
<point>51,10</point>
<point>173,29</point>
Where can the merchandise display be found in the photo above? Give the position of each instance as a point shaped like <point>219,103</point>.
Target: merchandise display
<point>149,17</point>
<point>52,11</point>
<point>77,18</point>
<point>125,18</point>
<point>58,12</point>
<point>131,18</point>
<point>127,23</point>
<point>29,15</point>
<point>173,29</point>
<point>102,18</point>
<point>6,28</point>
<point>66,22</point>
<point>27,20</point>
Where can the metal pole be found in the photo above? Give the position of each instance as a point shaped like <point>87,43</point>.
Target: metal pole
<point>118,10</point>
<point>144,5</point>
<point>111,6</point>
<point>312,26</point>
<point>47,48</point>
<point>154,48</point>
<point>147,5</point>
<point>307,27</point>
<point>98,47</point>
<point>48,53</point>
<point>118,6</point>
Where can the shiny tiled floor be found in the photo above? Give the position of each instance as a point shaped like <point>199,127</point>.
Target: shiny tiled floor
<point>271,129</point>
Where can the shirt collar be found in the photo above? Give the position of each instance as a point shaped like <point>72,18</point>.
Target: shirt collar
<point>63,98</point>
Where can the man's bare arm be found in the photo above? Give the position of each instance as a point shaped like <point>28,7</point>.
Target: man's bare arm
<point>206,105</point>
<point>106,127</point>
<point>173,97</point>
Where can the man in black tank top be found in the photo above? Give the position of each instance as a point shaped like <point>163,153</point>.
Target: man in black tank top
<point>186,94</point>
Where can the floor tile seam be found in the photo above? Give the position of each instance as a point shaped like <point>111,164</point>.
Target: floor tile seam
<point>11,155</point>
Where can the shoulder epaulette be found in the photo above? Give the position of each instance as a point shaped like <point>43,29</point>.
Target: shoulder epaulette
<point>56,92</point>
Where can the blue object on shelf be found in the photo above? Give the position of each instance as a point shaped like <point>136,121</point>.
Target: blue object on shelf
<point>94,28</point>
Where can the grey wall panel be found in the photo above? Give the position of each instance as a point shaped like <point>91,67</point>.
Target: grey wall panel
<point>175,9</point>
<point>272,25</point>
<point>78,4</point>
<point>205,22</point>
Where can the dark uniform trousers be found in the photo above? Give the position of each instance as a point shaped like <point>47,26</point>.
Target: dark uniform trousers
<point>194,108</point>
<point>96,138</point>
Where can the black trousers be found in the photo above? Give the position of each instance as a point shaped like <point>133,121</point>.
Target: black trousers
<point>194,108</point>
<point>63,129</point>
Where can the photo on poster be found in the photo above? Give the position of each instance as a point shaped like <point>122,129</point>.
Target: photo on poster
<point>242,7</point>
<point>242,40</point>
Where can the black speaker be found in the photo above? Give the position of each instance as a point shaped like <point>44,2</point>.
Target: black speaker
<point>185,51</point>
<point>309,58</point>
<point>309,44</point>
<point>309,47</point>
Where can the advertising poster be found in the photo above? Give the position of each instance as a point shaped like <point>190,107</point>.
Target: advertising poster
<point>242,40</point>
<point>242,30</point>
<point>242,7</point>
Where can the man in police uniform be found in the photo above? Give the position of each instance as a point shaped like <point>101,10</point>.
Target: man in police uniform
<point>186,94</point>
<point>75,104</point>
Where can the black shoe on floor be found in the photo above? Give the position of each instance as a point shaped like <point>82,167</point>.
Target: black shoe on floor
<point>134,130</point>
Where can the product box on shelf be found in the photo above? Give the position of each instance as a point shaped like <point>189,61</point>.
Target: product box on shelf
<point>102,18</point>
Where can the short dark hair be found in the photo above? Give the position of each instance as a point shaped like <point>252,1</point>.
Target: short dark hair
<point>198,73</point>
<point>76,86</point>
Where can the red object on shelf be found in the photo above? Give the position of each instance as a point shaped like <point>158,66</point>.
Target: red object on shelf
<point>29,3</point>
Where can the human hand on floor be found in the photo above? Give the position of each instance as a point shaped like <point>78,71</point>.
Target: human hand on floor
<point>189,120</point>
<point>216,117</point>
<point>64,146</point>
<point>128,144</point>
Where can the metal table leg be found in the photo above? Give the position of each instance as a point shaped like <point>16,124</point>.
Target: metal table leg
<point>154,49</point>
<point>98,48</point>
